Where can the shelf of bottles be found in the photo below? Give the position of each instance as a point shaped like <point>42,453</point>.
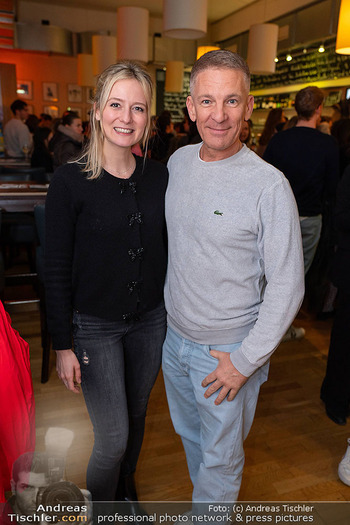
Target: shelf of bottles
<point>274,101</point>
<point>305,68</point>
<point>175,102</point>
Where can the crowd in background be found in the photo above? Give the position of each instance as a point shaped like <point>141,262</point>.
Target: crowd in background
<point>53,141</point>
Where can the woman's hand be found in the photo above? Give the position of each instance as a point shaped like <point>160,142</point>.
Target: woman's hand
<point>68,369</point>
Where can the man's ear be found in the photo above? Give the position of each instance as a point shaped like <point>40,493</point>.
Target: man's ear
<point>319,110</point>
<point>250,107</point>
<point>191,108</point>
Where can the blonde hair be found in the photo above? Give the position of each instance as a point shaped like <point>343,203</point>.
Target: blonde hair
<point>92,156</point>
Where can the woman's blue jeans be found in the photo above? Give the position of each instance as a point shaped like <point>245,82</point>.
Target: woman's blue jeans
<point>119,365</point>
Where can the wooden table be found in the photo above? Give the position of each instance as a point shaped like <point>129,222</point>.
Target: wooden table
<point>21,197</point>
<point>14,163</point>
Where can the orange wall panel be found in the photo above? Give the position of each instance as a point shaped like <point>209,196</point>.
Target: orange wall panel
<point>39,67</point>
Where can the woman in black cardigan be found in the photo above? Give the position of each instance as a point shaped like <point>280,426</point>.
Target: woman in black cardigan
<point>105,270</point>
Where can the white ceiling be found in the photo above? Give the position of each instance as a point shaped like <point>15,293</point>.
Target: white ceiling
<point>217,9</point>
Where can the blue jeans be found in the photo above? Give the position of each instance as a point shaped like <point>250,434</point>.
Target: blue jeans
<point>119,365</point>
<point>212,435</point>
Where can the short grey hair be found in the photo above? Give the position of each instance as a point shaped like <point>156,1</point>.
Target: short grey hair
<point>220,59</point>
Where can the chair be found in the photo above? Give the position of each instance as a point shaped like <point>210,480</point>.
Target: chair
<point>18,229</point>
<point>39,215</point>
<point>36,280</point>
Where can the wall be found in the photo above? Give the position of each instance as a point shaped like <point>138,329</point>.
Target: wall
<point>43,67</point>
<point>39,67</point>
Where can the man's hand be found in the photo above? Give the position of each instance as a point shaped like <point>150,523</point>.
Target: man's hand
<point>68,369</point>
<point>225,376</point>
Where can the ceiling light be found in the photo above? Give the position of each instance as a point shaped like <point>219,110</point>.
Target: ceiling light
<point>84,70</point>
<point>342,45</point>
<point>184,19</point>
<point>262,48</point>
<point>132,45</point>
<point>201,50</point>
<point>174,76</point>
<point>104,52</point>
<point>321,49</point>
<point>289,58</point>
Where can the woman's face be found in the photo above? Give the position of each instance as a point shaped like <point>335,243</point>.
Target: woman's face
<point>244,132</point>
<point>76,126</point>
<point>125,115</point>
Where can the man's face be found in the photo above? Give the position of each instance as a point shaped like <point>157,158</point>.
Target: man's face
<point>23,113</point>
<point>26,490</point>
<point>219,104</point>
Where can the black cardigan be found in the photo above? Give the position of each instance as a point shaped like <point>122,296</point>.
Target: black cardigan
<point>105,245</point>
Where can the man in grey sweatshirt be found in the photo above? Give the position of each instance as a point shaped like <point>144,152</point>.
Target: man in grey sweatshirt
<point>235,277</point>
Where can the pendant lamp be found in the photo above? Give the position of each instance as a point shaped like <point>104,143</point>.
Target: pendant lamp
<point>342,45</point>
<point>85,73</point>
<point>132,33</point>
<point>201,50</point>
<point>185,19</point>
<point>174,76</point>
<point>262,48</point>
<point>104,52</point>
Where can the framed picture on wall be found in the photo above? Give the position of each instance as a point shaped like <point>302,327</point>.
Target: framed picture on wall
<point>333,97</point>
<point>52,110</point>
<point>76,110</point>
<point>50,91</point>
<point>90,92</point>
<point>25,89</point>
<point>75,93</point>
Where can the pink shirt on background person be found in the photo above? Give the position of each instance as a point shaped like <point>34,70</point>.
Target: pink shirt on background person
<point>136,149</point>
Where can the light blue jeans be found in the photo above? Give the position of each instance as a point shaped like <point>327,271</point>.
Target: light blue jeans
<point>212,435</point>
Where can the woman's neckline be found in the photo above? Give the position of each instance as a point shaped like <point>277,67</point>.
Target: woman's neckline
<point>119,175</point>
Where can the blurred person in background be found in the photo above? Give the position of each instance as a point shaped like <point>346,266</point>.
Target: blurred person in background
<point>335,390</point>
<point>160,143</point>
<point>310,161</point>
<point>32,122</point>
<point>246,134</point>
<point>325,125</point>
<point>341,132</point>
<point>341,110</point>
<point>275,117</point>
<point>18,139</point>
<point>45,121</point>
<point>67,142</point>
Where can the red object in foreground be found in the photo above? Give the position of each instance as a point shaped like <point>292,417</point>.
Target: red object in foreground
<point>17,412</point>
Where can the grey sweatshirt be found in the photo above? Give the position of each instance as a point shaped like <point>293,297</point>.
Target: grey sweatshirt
<point>235,270</point>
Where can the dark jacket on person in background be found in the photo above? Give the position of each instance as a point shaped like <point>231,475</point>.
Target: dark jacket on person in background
<point>66,145</point>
